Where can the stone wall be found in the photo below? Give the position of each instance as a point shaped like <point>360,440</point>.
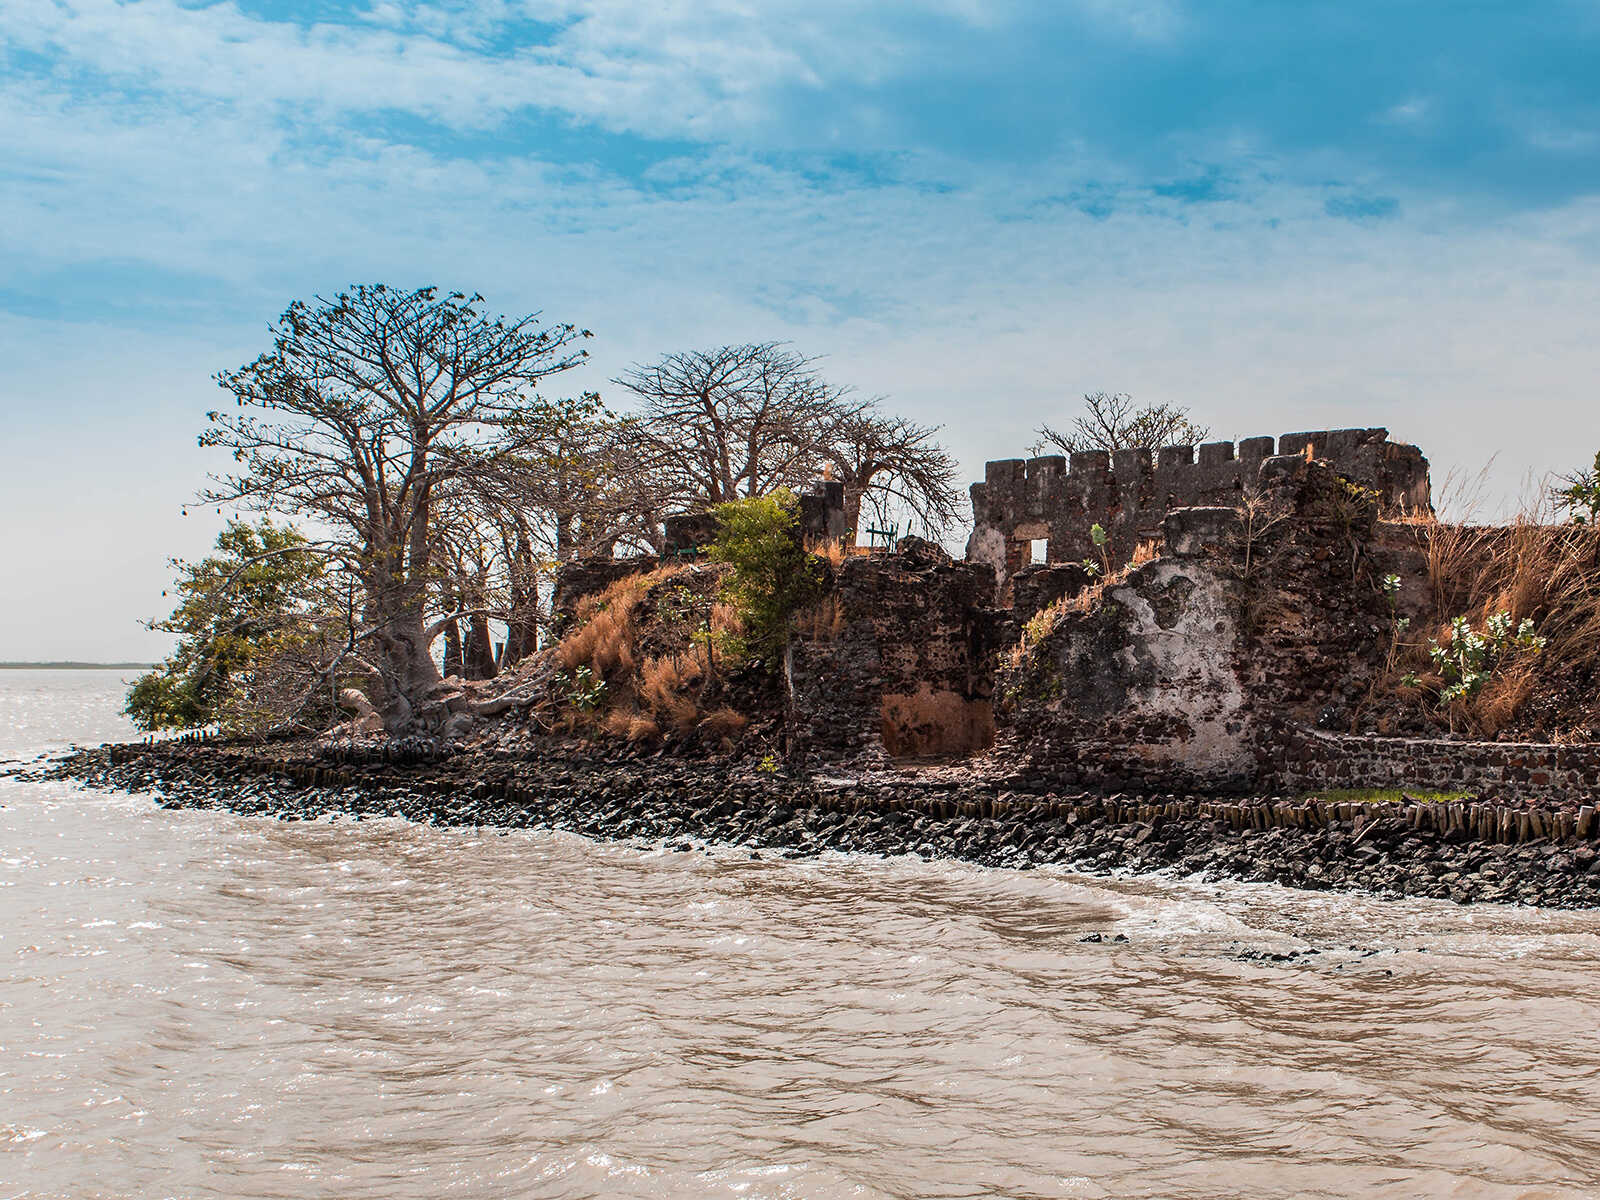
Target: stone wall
<point>1138,687</point>
<point>1046,499</point>
<point>1170,675</point>
<point>821,517</point>
<point>895,659</point>
<point>1301,760</point>
<point>589,576</point>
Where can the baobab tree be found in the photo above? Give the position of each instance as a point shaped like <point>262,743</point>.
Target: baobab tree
<point>893,464</point>
<point>368,409</point>
<point>1111,421</point>
<point>736,421</point>
<point>740,421</point>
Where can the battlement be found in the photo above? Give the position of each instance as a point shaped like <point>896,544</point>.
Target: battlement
<point>1042,509</point>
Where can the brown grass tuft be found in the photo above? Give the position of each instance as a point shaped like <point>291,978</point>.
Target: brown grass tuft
<point>723,722</point>
<point>618,722</point>
<point>608,624</point>
<point>663,680</point>
<point>822,621</point>
<point>833,550</point>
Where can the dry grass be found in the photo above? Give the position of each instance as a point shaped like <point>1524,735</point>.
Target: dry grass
<point>833,550</point>
<point>662,680</point>
<point>660,663</point>
<point>723,722</point>
<point>618,722</point>
<point>604,636</point>
<point>1148,550</point>
<point>663,686</point>
<point>822,621</point>
<point>1529,568</point>
<point>632,724</point>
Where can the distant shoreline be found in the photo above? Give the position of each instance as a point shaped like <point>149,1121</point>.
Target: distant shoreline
<point>75,666</point>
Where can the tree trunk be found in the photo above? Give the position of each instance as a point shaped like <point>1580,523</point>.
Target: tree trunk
<point>477,654</point>
<point>854,492</point>
<point>452,650</point>
<point>401,654</point>
<point>522,625</point>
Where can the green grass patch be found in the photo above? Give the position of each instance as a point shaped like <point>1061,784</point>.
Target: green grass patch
<point>1383,796</point>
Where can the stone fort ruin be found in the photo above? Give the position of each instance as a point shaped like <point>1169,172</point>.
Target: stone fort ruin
<point>1042,510</point>
<point>1229,657</point>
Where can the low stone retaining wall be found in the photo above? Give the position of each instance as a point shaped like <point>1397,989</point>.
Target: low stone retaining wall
<point>1306,759</point>
<point>1493,820</point>
<point>1435,850</point>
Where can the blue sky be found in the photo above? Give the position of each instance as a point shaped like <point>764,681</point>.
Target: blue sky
<point>1283,215</point>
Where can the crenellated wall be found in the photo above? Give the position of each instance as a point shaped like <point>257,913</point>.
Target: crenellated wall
<point>1128,492</point>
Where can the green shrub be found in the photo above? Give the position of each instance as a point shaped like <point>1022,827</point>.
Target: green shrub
<point>772,574</point>
<point>585,690</point>
<point>249,617</point>
<point>1580,497</point>
<point>1468,660</point>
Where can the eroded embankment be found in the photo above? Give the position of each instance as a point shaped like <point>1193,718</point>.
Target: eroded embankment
<point>1384,849</point>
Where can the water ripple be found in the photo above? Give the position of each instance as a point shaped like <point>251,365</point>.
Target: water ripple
<point>194,1004</point>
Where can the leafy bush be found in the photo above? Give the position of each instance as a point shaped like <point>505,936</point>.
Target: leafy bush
<point>1468,660</point>
<point>585,690</point>
<point>772,574</point>
<point>252,624</point>
<point>1580,497</point>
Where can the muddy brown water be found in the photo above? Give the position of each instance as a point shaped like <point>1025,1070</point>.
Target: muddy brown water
<point>200,1005</point>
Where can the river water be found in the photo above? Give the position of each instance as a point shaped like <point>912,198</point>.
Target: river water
<point>200,1005</point>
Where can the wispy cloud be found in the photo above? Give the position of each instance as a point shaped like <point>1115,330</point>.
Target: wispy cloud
<point>1281,215</point>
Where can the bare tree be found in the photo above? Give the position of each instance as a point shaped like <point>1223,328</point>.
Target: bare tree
<point>736,421</point>
<point>581,481</point>
<point>1111,422</point>
<point>893,464</point>
<point>368,410</point>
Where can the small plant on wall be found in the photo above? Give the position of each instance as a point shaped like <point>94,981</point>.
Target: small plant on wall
<point>1468,659</point>
<point>1101,567</point>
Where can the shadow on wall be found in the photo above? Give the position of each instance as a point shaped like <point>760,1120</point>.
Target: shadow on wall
<point>930,723</point>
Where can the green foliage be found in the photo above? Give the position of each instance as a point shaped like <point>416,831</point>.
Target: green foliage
<point>768,764</point>
<point>1101,539</point>
<point>1580,498</point>
<point>239,609</point>
<point>1468,659</point>
<point>772,574</point>
<point>1383,796</point>
<point>585,690</point>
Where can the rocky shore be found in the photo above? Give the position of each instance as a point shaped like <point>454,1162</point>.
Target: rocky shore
<point>938,814</point>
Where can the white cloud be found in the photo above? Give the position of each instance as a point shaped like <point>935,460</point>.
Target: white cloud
<point>984,304</point>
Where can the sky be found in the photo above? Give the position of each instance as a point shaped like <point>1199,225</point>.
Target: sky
<point>1283,216</point>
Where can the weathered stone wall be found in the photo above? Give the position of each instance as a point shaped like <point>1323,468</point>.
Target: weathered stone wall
<point>821,517</point>
<point>895,659</point>
<point>1301,760</point>
<point>589,576</point>
<point>1137,689</point>
<point>1167,678</point>
<point>1129,492</point>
